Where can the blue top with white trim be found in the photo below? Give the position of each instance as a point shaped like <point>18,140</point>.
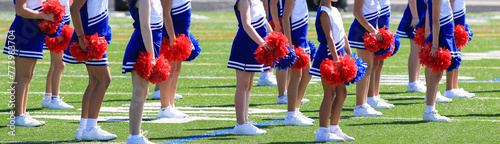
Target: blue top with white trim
<point>445,17</point>
<point>299,20</point>
<point>337,26</point>
<point>181,17</point>
<point>156,20</point>
<point>280,5</point>
<point>94,15</point>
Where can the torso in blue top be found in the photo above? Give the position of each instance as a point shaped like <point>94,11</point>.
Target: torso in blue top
<point>67,17</point>
<point>280,5</point>
<point>459,11</point>
<point>156,20</point>
<point>385,14</point>
<point>299,21</point>
<point>445,18</point>
<point>94,15</point>
<point>371,12</point>
<point>336,25</point>
<point>181,17</point>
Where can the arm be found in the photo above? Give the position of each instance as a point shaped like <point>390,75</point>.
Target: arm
<point>145,20</point>
<point>287,13</point>
<point>358,14</point>
<point>23,11</point>
<point>266,8</point>
<point>275,15</point>
<point>436,8</point>
<point>244,7</point>
<point>327,29</point>
<point>347,46</point>
<point>414,12</point>
<point>167,19</point>
<point>77,23</point>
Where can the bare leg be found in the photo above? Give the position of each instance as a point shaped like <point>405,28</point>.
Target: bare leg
<point>28,87</point>
<point>48,82</point>
<point>87,95</point>
<point>56,61</point>
<point>24,71</point>
<point>240,98</point>
<point>378,74</point>
<point>281,78</point>
<point>449,80</point>
<point>139,95</point>
<point>166,86</point>
<point>326,106</point>
<point>413,64</point>
<point>157,87</point>
<point>174,83</point>
<point>293,88</point>
<point>363,84</point>
<point>338,103</point>
<point>304,81</point>
<point>103,78</point>
<point>247,104</point>
<point>373,79</point>
<point>432,79</point>
<point>455,79</point>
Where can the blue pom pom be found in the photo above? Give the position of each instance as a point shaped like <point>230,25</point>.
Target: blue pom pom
<point>361,69</point>
<point>397,43</point>
<point>469,31</point>
<point>287,62</point>
<point>196,48</point>
<point>57,33</point>
<point>312,47</point>
<point>381,52</point>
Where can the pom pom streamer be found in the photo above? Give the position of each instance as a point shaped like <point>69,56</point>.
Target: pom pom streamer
<point>196,48</point>
<point>461,36</point>
<point>370,42</point>
<point>329,72</point>
<point>54,7</point>
<point>287,61</point>
<point>388,38</point>
<point>360,73</point>
<point>469,31</point>
<point>161,71</point>
<point>182,49</point>
<point>337,73</point>
<point>419,36</point>
<point>302,60</point>
<point>144,65</point>
<point>397,43</point>
<point>383,53</point>
<point>312,48</point>
<point>153,70</point>
<point>440,63</point>
<point>96,49</point>
<point>58,47</point>
<point>279,42</point>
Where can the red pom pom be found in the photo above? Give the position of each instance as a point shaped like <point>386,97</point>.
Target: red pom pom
<point>419,36</point>
<point>440,63</point>
<point>384,56</point>
<point>144,65</point>
<point>370,42</point>
<point>349,68</point>
<point>461,36</point>
<point>58,47</point>
<point>330,73</point>
<point>161,71</point>
<point>54,7</point>
<point>98,46</point>
<point>388,38</point>
<point>77,52</point>
<point>182,48</point>
<point>302,59</point>
<point>279,42</point>
<point>271,22</point>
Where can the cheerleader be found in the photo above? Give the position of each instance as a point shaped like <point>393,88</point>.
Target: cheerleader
<point>24,45</point>
<point>411,17</point>
<point>366,13</point>
<point>51,99</point>
<point>252,29</point>
<point>295,24</point>
<point>452,89</point>
<point>91,17</point>
<point>147,36</point>
<point>440,17</point>
<point>177,19</point>
<point>333,43</point>
<point>267,78</point>
<point>373,98</point>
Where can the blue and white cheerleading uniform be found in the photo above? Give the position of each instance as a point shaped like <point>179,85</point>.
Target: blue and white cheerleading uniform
<point>94,15</point>
<point>385,14</point>
<point>242,57</point>
<point>24,38</point>
<point>299,20</point>
<point>404,29</point>
<point>371,11</point>
<point>136,44</point>
<point>459,11</point>
<point>280,5</point>
<point>66,18</point>
<point>338,37</point>
<point>446,35</point>
<point>181,17</point>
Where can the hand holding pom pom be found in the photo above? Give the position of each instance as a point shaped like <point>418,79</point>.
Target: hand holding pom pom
<point>419,36</point>
<point>461,36</point>
<point>302,59</point>
<point>287,61</point>
<point>341,72</point>
<point>440,62</point>
<point>388,38</point>
<point>153,70</point>
<point>160,71</point>
<point>96,49</point>
<point>57,46</point>
<point>370,42</point>
<point>275,40</point>
<point>330,73</point>
<point>52,7</point>
<point>180,52</point>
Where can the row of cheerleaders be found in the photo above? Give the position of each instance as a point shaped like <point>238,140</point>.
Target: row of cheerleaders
<point>161,41</point>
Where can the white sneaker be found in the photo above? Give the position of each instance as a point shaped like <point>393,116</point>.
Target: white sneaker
<point>416,86</point>
<point>471,95</point>
<point>366,110</point>
<point>97,134</point>
<point>29,117</point>
<point>440,98</point>
<point>25,121</point>
<point>379,104</point>
<point>247,128</point>
<point>78,134</point>
<point>270,80</point>
<point>178,96</point>
<point>435,117</point>
<point>59,104</point>
<point>156,95</point>
<point>327,137</point>
<point>45,104</point>
<point>304,101</point>
<point>297,121</point>
<point>141,140</point>
<point>341,134</point>
<point>171,112</point>
<point>282,100</point>
<point>299,114</point>
<point>456,93</point>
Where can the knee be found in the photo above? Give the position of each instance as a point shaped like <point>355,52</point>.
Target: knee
<point>296,74</point>
<point>104,79</point>
<point>59,66</point>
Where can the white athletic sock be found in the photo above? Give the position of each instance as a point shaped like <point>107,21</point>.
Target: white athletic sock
<point>83,123</point>
<point>334,128</point>
<point>290,114</point>
<point>134,137</point>
<point>91,123</point>
<point>429,108</point>
<point>297,109</point>
<point>322,129</point>
<point>264,75</point>
<point>47,97</point>
<point>55,98</point>
<point>370,99</point>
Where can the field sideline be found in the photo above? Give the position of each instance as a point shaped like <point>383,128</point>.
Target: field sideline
<point>208,88</point>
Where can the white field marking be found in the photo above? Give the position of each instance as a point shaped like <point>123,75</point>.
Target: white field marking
<point>401,118</point>
<point>125,118</point>
<point>479,56</point>
<point>195,16</point>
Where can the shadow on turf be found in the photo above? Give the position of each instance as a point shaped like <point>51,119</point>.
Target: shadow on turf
<point>232,105</point>
<point>490,91</point>
<point>31,109</point>
<point>218,137</point>
<point>403,99</point>
<point>475,115</point>
<point>405,103</point>
<point>43,142</point>
<point>226,86</point>
<point>389,123</point>
<point>211,129</point>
